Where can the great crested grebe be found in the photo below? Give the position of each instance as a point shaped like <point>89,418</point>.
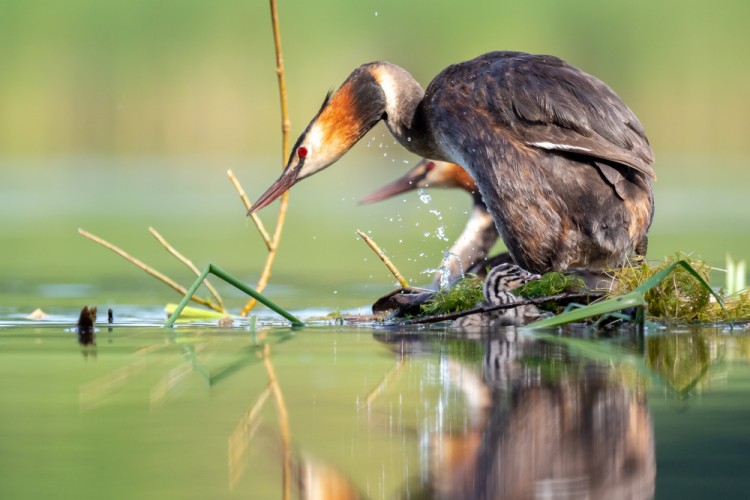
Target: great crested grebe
<point>561,162</point>
<point>471,248</point>
<point>498,290</point>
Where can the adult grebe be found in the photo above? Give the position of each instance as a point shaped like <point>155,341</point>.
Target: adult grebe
<point>470,250</point>
<point>561,162</point>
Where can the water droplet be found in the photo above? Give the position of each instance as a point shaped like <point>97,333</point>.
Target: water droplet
<point>376,13</point>
<point>426,198</point>
<point>427,234</point>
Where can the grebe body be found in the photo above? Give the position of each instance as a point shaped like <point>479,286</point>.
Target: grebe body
<point>562,164</point>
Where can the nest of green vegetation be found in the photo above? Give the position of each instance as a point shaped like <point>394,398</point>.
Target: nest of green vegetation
<point>680,297</point>
<point>465,294</point>
<point>552,283</point>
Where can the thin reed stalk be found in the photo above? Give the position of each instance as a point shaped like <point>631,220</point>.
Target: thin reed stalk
<point>150,270</point>
<point>189,264</point>
<point>381,255</point>
<point>265,274</point>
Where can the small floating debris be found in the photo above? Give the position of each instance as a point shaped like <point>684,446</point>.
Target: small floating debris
<point>37,314</point>
<point>225,322</point>
<point>85,326</point>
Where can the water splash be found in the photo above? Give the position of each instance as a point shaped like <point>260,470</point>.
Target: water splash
<point>424,197</point>
<point>440,233</point>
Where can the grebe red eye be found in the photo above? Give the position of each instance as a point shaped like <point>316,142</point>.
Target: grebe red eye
<point>302,151</point>
<point>430,166</point>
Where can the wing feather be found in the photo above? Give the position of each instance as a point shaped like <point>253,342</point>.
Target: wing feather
<point>543,102</point>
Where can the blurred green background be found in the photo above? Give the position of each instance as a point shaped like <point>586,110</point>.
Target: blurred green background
<point>119,115</point>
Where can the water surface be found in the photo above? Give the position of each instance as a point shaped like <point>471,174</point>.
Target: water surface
<point>149,412</point>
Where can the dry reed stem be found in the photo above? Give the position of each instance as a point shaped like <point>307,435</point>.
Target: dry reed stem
<point>246,201</point>
<point>265,274</point>
<point>375,248</point>
<point>286,440</point>
<point>189,264</point>
<point>149,270</point>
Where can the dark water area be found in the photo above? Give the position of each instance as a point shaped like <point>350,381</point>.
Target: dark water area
<point>140,411</point>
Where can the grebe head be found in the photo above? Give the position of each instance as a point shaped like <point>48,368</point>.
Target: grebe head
<point>506,278</point>
<point>425,174</point>
<point>371,93</point>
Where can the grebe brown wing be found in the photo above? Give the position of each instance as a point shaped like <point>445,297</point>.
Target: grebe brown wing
<point>542,102</point>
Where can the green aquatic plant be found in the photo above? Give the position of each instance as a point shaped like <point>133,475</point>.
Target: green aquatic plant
<point>549,284</point>
<point>663,290</point>
<point>219,273</point>
<point>736,270</point>
<point>465,294</point>
<point>678,297</point>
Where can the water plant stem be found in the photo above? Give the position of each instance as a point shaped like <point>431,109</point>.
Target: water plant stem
<point>189,264</point>
<point>436,318</point>
<point>285,129</point>
<point>246,201</point>
<point>375,248</point>
<point>219,273</point>
<point>150,270</point>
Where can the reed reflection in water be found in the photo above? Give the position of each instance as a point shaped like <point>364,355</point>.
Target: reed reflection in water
<point>540,424</point>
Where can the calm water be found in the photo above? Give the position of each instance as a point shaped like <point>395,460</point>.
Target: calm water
<point>383,413</point>
<point>188,413</point>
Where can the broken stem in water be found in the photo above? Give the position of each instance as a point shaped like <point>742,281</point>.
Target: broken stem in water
<point>188,263</point>
<point>149,270</point>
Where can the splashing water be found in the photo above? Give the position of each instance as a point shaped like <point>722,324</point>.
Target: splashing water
<point>424,197</point>
<point>440,233</point>
<point>445,269</point>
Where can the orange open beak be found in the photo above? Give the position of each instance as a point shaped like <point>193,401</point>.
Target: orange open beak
<point>400,185</point>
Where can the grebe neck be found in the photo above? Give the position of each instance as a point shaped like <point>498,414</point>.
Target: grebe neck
<point>404,108</point>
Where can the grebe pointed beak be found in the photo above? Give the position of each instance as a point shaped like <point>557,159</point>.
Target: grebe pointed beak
<point>282,184</point>
<point>408,182</point>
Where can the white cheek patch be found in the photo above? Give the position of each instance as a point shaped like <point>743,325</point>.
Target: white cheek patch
<point>314,139</point>
<point>564,147</point>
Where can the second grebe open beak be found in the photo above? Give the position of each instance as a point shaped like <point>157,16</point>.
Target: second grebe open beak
<point>411,180</point>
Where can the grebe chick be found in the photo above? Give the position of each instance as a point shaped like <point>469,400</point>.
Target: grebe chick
<point>471,248</point>
<point>498,290</point>
<point>563,165</point>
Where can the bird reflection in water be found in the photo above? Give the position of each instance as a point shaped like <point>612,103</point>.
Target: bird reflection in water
<point>560,428</point>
